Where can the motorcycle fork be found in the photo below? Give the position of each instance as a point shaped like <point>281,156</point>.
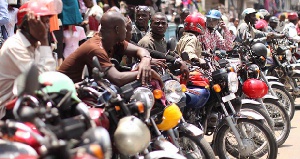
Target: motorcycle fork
<point>262,75</point>
<point>232,124</point>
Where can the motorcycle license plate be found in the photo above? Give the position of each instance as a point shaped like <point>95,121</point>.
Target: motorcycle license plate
<point>228,97</point>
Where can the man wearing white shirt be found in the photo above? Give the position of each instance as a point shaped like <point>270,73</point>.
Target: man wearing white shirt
<point>27,46</point>
<point>290,28</point>
<point>93,12</point>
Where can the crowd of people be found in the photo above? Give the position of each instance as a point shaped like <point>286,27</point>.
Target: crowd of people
<point>35,30</point>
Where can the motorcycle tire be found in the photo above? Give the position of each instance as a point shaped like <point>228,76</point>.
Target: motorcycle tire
<point>260,110</point>
<point>281,118</point>
<point>288,103</point>
<point>222,145</point>
<point>199,141</point>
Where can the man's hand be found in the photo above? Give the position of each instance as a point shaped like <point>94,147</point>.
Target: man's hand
<point>156,76</point>
<point>184,70</point>
<point>222,25</point>
<point>270,36</point>
<point>159,62</point>
<point>84,22</point>
<point>144,70</point>
<point>38,29</point>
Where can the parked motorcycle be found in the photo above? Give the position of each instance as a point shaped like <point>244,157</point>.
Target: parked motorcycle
<point>235,130</point>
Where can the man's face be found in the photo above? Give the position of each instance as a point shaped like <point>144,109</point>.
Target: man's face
<point>109,32</point>
<point>236,22</point>
<point>211,22</point>
<point>252,18</point>
<point>273,25</point>
<point>88,3</point>
<point>46,20</point>
<point>142,18</point>
<point>159,24</point>
<point>128,31</point>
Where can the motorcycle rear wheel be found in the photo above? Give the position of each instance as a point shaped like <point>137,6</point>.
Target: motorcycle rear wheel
<point>259,142</point>
<point>285,99</point>
<point>281,119</point>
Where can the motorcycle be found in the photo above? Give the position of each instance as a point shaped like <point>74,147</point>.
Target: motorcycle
<point>90,143</point>
<point>223,117</point>
<point>119,113</point>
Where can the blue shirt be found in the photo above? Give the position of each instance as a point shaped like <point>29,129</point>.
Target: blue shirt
<point>3,12</point>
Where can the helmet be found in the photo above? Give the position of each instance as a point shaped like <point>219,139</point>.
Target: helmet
<point>253,71</point>
<point>259,16</point>
<point>264,12</point>
<point>248,11</point>
<point>273,19</point>
<point>12,2</point>
<point>56,82</point>
<point>259,49</point>
<point>292,16</point>
<point>171,117</point>
<point>255,88</point>
<point>196,97</point>
<point>261,24</point>
<point>98,136</point>
<point>214,14</point>
<point>38,7</point>
<point>131,136</point>
<point>195,22</point>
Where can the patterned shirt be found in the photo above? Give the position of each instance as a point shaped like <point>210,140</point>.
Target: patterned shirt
<point>210,40</point>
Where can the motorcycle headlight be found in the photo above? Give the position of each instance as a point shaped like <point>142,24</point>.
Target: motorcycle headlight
<point>233,82</point>
<point>144,95</point>
<point>288,55</point>
<point>173,91</point>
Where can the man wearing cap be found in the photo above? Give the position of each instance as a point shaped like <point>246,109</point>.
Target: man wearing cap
<point>29,45</point>
<point>290,29</point>
<point>273,23</point>
<point>141,27</point>
<point>248,28</point>
<point>212,39</point>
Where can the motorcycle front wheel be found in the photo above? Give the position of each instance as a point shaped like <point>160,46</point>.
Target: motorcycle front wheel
<point>258,140</point>
<point>195,147</point>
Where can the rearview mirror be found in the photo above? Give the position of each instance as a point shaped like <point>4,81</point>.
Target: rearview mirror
<point>27,82</point>
<point>96,63</point>
<point>184,56</point>
<point>171,44</point>
<point>85,73</point>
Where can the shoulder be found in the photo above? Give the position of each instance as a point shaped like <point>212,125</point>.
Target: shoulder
<point>146,39</point>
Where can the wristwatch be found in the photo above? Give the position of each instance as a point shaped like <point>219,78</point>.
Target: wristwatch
<point>148,56</point>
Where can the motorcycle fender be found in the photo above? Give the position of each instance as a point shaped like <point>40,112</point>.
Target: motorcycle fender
<point>296,66</point>
<point>247,101</point>
<point>296,74</point>
<point>190,129</point>
<point>272,78</point>
<point>275,83</point>
<point>249,114</point>
<point>268,96</point>
<point>162,154</point>
<point>165,145</point>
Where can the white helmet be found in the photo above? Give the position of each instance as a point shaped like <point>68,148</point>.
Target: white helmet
<point>12,2</point>
<point>248,11</point>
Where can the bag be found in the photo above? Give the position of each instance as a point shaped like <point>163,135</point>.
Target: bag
<point>3,35</point>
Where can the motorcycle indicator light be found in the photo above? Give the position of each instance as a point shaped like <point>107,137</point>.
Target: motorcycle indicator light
<point>262,58</point>
<point>117,108</point>
<point>230,69</point>
<point>280,57</point>
<point>97,151</point>
<point>183,88</point>
<point>157,93</point>
<point>140,107</point>
<point>217,88</point>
